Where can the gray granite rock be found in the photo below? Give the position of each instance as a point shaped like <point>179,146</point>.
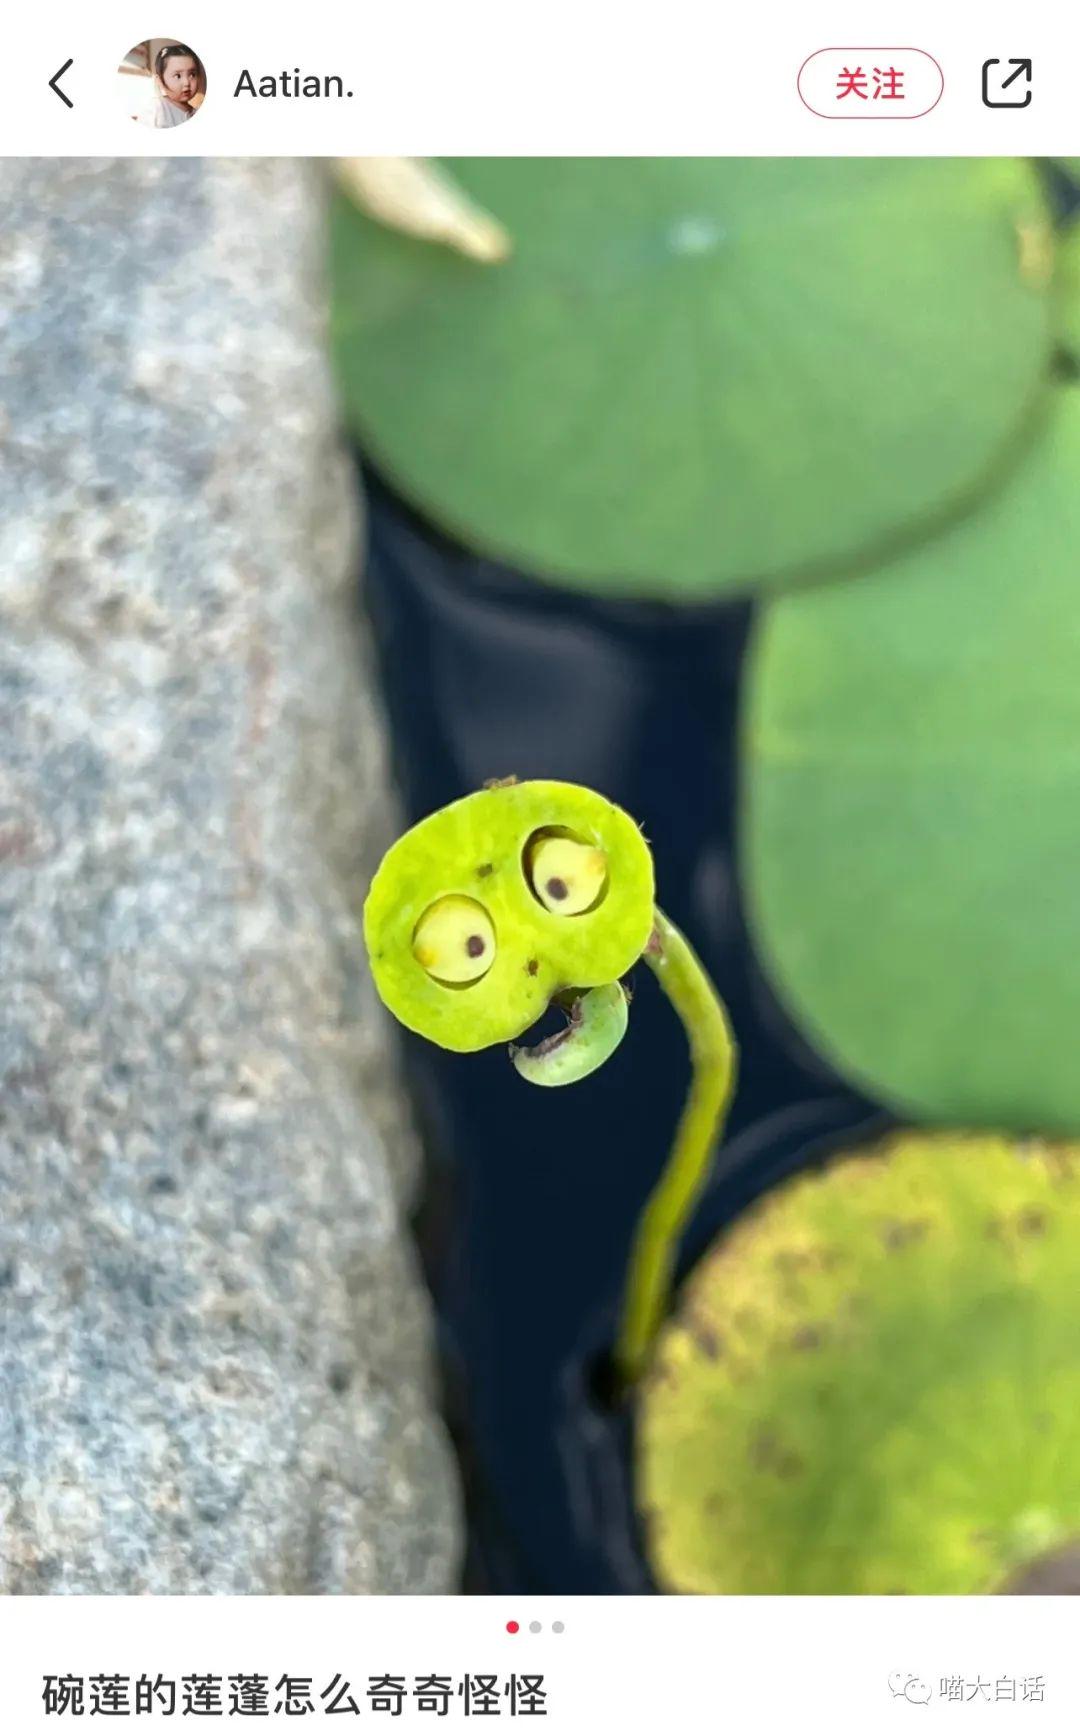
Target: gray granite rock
<point>214,1348</point>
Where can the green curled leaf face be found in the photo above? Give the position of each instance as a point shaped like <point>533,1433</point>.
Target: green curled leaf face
<point>489,907</point>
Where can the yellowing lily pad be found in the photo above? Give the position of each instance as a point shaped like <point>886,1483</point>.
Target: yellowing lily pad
<point>871,1385</point>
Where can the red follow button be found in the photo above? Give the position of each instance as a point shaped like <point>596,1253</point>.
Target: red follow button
<point>871,84</point>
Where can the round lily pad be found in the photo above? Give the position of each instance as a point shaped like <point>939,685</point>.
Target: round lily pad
<point>694,376</point>
<point>1069,269</point>
<point>871,1385</point>
<point>911,832</point>
<point>477,850</point>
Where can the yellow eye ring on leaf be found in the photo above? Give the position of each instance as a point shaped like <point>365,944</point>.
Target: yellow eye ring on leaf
<point>454,941</point>
<point>567,875</point>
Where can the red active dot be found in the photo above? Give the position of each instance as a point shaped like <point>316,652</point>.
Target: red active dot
<point>511,1627</point>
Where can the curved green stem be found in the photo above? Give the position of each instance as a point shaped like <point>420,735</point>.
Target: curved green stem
<point>685,981</point>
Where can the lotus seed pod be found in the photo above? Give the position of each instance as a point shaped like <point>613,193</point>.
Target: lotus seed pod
<point>872,1383</point>
<point>454,940</point>
<point>597,1026</point>
<point>567,877</point>
<point>480,850</point>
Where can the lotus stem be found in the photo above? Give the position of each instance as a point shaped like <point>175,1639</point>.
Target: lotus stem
<point>713,1056</point>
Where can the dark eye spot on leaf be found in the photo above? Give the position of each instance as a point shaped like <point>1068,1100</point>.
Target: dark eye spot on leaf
<point>474,946</point>
<point>533,966</point>
<point>484,870</point>
<point>556,888</point>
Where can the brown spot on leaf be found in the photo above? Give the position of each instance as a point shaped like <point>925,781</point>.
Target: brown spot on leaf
<point>659,1376</point>
<point>706,1338</point>
<point>484,870</point>
<point>807,1338</point>
<point>768,1453</point>
<point>533,966</point>
<point>1032,1222</point>
<point>763,1449</point>
<point>792,1260</point>
<point>901,1233</point>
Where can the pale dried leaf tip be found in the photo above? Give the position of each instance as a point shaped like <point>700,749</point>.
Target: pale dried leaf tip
<point>414,195</point>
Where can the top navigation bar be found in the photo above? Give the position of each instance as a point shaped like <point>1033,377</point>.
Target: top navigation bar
<point>489,78</point>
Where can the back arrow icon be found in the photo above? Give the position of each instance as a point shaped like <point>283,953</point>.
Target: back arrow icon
<point>54,85</point>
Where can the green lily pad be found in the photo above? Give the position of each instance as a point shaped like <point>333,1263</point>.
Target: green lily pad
<point>697,375</point>
<point>912,822</point>
<point>1069,274</point>
<point>872,1385</point>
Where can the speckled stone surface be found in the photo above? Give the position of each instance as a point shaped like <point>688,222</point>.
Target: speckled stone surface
<point>214,1348</point>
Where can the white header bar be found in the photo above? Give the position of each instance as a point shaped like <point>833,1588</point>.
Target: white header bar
<point>569,77</point>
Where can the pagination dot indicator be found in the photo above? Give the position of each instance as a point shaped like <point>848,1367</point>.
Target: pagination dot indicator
<point>511,1627</point>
